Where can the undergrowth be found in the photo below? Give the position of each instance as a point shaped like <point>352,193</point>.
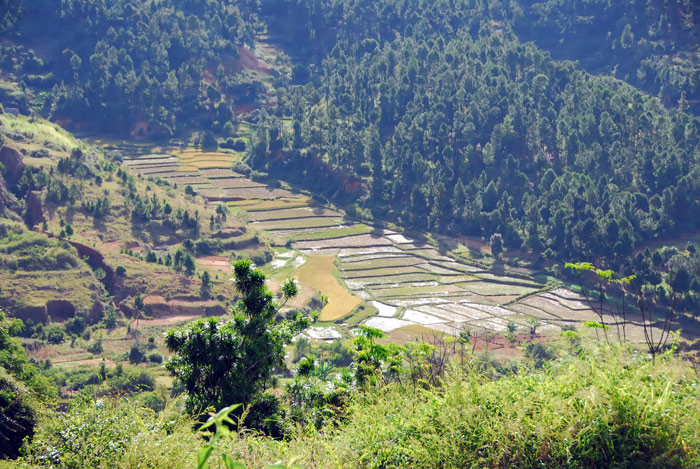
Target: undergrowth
<point>607,407</point>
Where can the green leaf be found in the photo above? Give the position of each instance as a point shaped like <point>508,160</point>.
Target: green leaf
<point>231,464</point>
<point>202,457</point>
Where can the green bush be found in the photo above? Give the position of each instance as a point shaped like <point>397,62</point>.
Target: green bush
<point>55,335</point>
<point>136,354</point>
<point>18,416</point>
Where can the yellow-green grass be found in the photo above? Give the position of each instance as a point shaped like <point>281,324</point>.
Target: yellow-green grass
<point>190,153</point>
<point>36,288</point>
<point>509,280</point>
<point>398,279</point>
<point>384,262</point>
<point>235,182</point>
<point>466,268</point>
<point>205,164</point>
<point>317,273</point>
<point>359,315</point>
<point>39,130</point>
<point>411,333</point>
<point>259,205</point>
<point>227,173</point>
<point>350,265</point>
<point>434,290</point>
<point>296,212</point>
<point>383,272</point>
<point>333,234</point>
<point>198,158</point>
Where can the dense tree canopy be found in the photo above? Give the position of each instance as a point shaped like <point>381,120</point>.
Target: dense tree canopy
<point>111,64</point>
<point>449,121</point>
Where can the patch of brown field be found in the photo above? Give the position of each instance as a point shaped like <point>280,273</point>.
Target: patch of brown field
<point>151,299</point>
<point>220,263</point>
<point>169,320</point>
<point>411,333</point>
<point>248,60</point>
<point>475,244</point>
<point>244,109</point>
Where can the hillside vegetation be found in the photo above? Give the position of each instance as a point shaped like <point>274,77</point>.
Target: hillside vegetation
<point>491,207</point>
<point>438,116</point>
<point>600,408</point>
<point>131,62</point>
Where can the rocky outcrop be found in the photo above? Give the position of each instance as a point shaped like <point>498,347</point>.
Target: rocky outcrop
<point>35,213</point>
<point>60,310</point>
<point>36,313</point>
<point>9,206</point>
<point>97,261</point>
<point>11,159</point>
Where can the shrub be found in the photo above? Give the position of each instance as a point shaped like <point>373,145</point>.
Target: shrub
<point>136,355</point>
<point>75,325</point>
<point>96,347</point>
<point>18,416</point>
<point>152,401</point>
<point>54,335</point>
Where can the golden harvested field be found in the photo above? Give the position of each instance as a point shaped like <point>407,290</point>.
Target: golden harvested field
<point>318,273</point>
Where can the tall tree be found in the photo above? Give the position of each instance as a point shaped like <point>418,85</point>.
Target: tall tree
<point>230,360</point>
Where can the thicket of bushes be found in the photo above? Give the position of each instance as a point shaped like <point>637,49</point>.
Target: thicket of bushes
<point>603,408</point>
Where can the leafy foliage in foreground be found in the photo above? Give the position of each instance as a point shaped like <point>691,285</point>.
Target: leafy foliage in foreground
<point>21,386</point>
<point>605,407</point>
<point>224,361</point>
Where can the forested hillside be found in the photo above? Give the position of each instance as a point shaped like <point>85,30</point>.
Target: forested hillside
<point>107,65</point>
<point>654,45</point>
<point>434,115</point>
<point>451,122</point>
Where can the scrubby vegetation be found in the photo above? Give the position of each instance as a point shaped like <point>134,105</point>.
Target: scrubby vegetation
<point>603,407</point>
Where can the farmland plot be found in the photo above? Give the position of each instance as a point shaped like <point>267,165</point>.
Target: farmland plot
<point>408,283</point>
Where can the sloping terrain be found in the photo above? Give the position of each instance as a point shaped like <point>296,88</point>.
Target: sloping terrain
<point>389,279</point>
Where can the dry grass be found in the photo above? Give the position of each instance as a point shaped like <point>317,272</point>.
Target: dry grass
<point>318,273</point>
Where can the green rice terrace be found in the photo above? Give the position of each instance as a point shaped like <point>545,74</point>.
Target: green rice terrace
<point>378,277</point>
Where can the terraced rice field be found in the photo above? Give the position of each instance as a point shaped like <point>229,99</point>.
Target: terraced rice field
<point>409,284</point>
